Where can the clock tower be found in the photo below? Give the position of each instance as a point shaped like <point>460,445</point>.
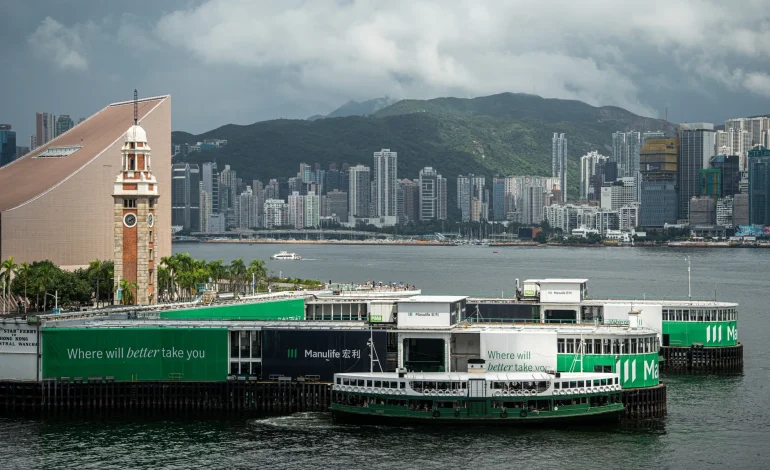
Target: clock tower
<point>135,196</point>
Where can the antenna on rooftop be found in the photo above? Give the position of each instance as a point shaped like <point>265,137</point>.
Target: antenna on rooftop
<point>136,107</point>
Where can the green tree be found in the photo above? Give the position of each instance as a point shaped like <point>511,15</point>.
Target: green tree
<point>540,237</point>
<point>8,269</point>
<point>128,292</point>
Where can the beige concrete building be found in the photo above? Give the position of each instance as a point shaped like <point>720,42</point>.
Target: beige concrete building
<point>56,202</point>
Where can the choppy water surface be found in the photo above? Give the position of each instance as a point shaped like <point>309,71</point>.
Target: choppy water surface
<point>712,422</point>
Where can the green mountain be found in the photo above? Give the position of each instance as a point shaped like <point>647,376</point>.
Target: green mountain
<point>501,134</point>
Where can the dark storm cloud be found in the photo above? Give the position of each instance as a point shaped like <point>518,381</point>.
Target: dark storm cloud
<point>242,61</point>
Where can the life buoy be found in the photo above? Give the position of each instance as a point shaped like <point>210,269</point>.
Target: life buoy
<point>390,392</point>
<point>590,390</point>
<point>518,393</point>
<point>497,394</point>
<point>436,414</point>
<point>555,408</point>
<point>504,414</point>
<point>455,392</point>
<point>426,392</point>
<point>523,413</point>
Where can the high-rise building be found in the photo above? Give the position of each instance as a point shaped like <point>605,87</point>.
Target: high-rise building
<point>740,209</point>
<point>625,152</point>
<point>703,211</point>
<point>759,186</point>
<point>618,194</point>
<point>411,195</point>
<point>296,204</point>
<point>470,187</point>
<point>312,210</point>
<point>185,196</point>
<point>276,213</point>
<point>711,183</point>
<point>754,126</point>
<point>359,192</point>
<point>45,128</point>
<point>432,195</point>
<point>652,135</point>
<point>334,181</point>
<point>722,144</point>
<point>7,144</point>
<point>205,210</point>
<point>135,206</point>
<point>696,147</point>
<point>336,203</point>
<point>659,204</point>
<point>729,165</point>
<point>559,162</point>
<point>725,211</point>
<point>498,198</point>
<point>385,182</point>
<point>259,194</point>
<point>658,159</point>
<point>210,179</point>
<point>305,173</point>
<point>532,201</point>
<point>246,209</point>
<point>63,124</point>
<point>228,188</point>
<point>272,190</point>
<point>588,167</point>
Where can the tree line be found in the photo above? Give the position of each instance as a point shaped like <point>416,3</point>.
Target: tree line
<point>41,285</point>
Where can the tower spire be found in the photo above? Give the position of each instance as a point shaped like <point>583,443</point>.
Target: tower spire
<point>136,107</point>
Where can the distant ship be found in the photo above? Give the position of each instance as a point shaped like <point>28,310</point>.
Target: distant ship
<point>285,255</point>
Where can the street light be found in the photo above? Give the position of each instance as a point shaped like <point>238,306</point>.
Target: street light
<point>56,299</point>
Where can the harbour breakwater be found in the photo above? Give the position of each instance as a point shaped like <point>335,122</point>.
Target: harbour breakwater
<point>97,395</point>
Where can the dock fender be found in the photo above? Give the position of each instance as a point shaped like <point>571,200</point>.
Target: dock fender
<point>523,413</point>
<point>436,413</point>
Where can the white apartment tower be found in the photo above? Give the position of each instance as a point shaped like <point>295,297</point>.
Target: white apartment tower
<point>587,171</point>
<point>385,183</point>
<point>559,162</point>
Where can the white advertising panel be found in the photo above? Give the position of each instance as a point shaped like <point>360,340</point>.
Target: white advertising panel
<point>560,293</point>
<point>18,351</point>
<point>650,316</point>
<point>423,314</point>
<point>519,352</point>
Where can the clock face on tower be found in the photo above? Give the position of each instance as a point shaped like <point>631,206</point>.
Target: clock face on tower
<point>150,220</point>
<point>129,220</point>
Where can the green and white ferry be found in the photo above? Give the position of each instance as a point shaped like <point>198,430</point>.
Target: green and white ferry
<point>477,397</point>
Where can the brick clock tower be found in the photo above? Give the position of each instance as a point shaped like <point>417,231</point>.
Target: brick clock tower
<point>136,195</point>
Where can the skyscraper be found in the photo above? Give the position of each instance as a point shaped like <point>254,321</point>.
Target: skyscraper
<point>696,147</point>
<point>658,167</point>
<point>296,204</point>
<point>588,164</point>
<point>411,195</point>
<point>359,192</point>
<point>759,186</point>
<point>205,210</point>
<point>469,188</point>
<point>731,174</point>
<point>7,144</point>
<point>246,209</point>
<point>337,205</point>
<point>385,182</point>
<point>532,200</point>
<point>210,179</point>
<point>498,198</point>
<point>652,135</point>
<point>45,128</point>
<point>432,187</point>
<point>228,188</point>
<point>185,196</point>
<point>559,162</point>
<point>625,152</point>
<point>63,124</point>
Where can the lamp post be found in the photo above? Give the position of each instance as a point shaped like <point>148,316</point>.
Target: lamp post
<point>56,299</point>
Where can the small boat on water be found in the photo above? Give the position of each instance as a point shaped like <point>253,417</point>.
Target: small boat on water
<point>285,255</point>
<point>477,398</point>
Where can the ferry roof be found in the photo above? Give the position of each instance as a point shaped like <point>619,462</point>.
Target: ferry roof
<point>504,376</point>
<point>561,281</point>
<point>434,299</point>
<point>572,329</point>
<point>253,324</point>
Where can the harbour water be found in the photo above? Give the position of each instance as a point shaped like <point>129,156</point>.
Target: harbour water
<point>713,422</point>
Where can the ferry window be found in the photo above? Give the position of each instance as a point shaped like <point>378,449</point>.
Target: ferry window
<point>581,384</point>
<point>589,349</point>
<point>607,347</point>
<point>665,314</point>
<point>570,346</point>
<point>542,387</point>
<point>616,347</point>
<point>378,383</point>
<point>560,345</point>
<point>596,382</point>
<point>556,385</point>
<point>361,383</point>
<point>573,384</point>
<point>699,317</point>
<point>368,383</point>
<point>339,381</point>
<point>633,346</point>
<point>245,349</point>
<point>597,346</point>
<point>256,344</point>
<point>402,385</point>
<point>616,380</point>
<point>604,381</point>
<point>345,382</point>
<point>678,315</point>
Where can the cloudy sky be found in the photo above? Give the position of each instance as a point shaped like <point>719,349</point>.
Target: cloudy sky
<point>240,61</point>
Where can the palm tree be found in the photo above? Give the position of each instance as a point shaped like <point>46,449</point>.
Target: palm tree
<point>127,289</point>
<point>218,271</point>
<point>7,269</point>
<point>237,272</point>
<point>257,271</point>
<point>24,272</point>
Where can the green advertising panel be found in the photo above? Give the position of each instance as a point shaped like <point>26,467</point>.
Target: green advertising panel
<point>685,333</point>
<point>293,309</point>
<point>636,370</point>
<point>136,354</point>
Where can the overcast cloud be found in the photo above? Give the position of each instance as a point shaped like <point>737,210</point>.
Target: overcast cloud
<point>242,61</point>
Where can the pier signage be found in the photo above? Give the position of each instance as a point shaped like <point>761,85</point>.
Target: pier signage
<point>650,316</point>
<point>142,353</point>
<point>519,352</point>
<point>18,338</point>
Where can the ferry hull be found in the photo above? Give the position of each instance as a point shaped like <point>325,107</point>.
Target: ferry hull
<point>611,417</point>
